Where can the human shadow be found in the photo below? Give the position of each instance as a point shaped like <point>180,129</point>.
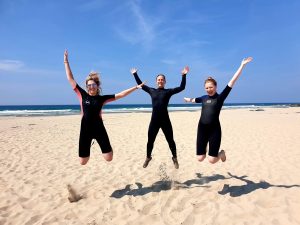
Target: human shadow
<point>201,180</point>
<point>164,185</point>
<point>250,186</point>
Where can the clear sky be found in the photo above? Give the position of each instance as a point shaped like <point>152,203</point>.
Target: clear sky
<point>156,36</point>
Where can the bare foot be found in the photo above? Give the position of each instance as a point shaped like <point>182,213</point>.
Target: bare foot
<point>222,155</point>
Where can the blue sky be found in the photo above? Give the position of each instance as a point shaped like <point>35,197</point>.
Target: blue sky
<point>211,36</point>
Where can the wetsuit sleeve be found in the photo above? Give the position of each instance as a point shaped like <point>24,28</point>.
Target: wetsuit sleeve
<point>78,88</point>
<point>108,98</point>
<point>80,92</point>
<point>138,81</point>
<point>225,93</point>
<point>198,100</point>
<point>181,87</point>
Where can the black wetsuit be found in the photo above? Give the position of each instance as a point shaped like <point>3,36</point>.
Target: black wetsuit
<point>209,128</point>
<point>92,126</point>
<point>160,116</point>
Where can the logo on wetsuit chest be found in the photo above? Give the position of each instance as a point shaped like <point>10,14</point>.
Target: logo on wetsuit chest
<point>87,102</point>
<point>208,101</point>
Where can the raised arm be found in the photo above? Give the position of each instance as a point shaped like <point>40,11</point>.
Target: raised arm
<point>68,70</point>
<point>239,71</point>
<point>136,77</point>
<point>184,72</point>
<point>138,80</point>
<point>128,91</point>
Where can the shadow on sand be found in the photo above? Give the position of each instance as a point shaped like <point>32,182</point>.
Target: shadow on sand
<point>200,181</point>
<point>164,185</point>
<point>250,186</point>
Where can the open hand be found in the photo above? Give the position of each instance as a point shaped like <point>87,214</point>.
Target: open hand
<point>66,56</point>
<point>246,60</point>
<point>185,70</point>
<point>133,70</point>
<point>187,99</point>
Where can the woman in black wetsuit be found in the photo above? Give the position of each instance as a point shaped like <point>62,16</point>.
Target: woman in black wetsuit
<point>209,129</point>
<point>160,117</point>
<point>91,103</point>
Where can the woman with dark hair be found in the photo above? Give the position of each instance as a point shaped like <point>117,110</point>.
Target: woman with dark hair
<point>209,128</point>
<point>91,103</point>
<point>160,116</point>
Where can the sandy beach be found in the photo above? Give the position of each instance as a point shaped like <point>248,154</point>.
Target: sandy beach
<point>258,184</point>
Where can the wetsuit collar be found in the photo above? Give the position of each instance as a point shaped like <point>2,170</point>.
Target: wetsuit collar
<point>214,96</point>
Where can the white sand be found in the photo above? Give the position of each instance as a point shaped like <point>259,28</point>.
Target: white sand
<point>258,184</point>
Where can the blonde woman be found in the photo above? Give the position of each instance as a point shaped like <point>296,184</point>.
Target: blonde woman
<point>209,128</point>
<point>91,103</point>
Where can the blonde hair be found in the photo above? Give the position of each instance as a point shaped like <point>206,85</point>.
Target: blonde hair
<point>94,76</point>
<point>211,80</point>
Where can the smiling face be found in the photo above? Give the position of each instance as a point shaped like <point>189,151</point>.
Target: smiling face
<point>160,81</point>
<point>92,87</point>
<point>210,88</point>
<point>93,83</point>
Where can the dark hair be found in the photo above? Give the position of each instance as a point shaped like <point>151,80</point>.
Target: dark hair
<point>211,80</point>
<point>161,75</point>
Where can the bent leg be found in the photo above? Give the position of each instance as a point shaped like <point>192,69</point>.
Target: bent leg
<point>108,156</point>
<point>103,140</point>
<point>201,157</point>
<point>221,155</point>
<point>83,160</point>
<point>84,146</point>
<point>213,160</point>
<point>214,146</point>
<point>202,140</point>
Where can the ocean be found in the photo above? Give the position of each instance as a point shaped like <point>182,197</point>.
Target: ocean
<point>57,110</point>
